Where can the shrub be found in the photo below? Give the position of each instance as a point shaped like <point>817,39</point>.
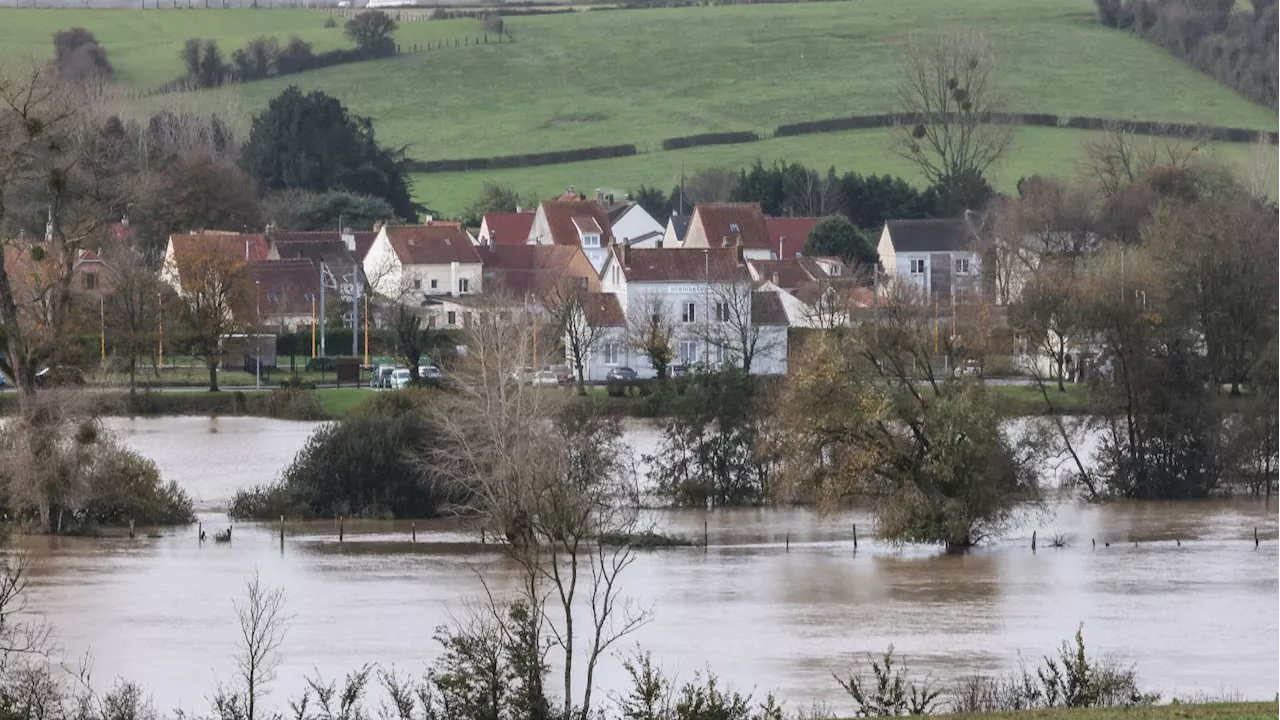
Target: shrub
<point>723,138</point>
<point>888,691</point>
<point>330,22</point>
<point>364,464</point>
<point>126,486</point>
<point>293,403</point>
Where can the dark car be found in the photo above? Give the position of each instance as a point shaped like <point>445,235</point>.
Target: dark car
<point>59,376</point>
<point>621,374</point>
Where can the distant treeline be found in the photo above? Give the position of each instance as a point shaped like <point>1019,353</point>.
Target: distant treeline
<point>1238,49</point>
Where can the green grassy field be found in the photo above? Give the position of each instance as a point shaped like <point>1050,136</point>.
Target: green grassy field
<point>143,45</point>
<point>1036,150</point>
<point>638,76</point>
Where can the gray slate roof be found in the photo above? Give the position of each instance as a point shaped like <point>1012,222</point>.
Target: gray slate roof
<point>931,235</point>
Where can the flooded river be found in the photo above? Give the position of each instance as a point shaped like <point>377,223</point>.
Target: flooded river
<point>1202,617</point>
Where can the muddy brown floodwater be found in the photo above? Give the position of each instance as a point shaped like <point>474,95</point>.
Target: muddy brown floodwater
<point>1200,617</point>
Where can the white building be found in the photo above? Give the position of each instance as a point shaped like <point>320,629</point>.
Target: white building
<point>434,259</point>
<point>940,257</point>
<point>633,225</point>
<point>706,298</point>
<point>574,222</point>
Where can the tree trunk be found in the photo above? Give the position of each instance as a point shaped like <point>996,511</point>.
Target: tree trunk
<point>133,375</point>
<point>213,376</point>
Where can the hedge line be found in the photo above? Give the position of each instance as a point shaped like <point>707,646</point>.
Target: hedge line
<point>722,138</point>
<point>516,161</point>
<point>1139,127</point>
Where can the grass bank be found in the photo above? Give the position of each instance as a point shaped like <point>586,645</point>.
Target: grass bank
<point>322,404</point>
<point>1178,711</point>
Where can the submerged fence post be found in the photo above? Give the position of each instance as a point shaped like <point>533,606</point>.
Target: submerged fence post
<point>1033,541</point>
<point>1255,537</point>
<point>341,528</point>
<point>281,531</point>
<point>855,537</point>
<point>704,535</point>
<point>788,542</point>
<point>200,531</point>
<point>130,528</point>
<point>413,530</point>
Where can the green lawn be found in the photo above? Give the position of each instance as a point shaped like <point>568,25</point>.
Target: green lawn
<point>1036,150</point>
<point>638,76</point>
<point>601,78</point>
<point>143,45</point>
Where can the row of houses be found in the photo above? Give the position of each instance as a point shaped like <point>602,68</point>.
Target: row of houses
<point>728,280</point>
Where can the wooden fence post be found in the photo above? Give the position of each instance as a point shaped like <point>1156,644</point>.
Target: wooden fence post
<point>413,528</point>
<point>341,528</point>
<point>704,535</point>
<point>788,542</point>
<point>1033,541</point>
<point>855,537</point>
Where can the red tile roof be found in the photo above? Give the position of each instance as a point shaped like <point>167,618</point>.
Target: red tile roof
<point>537,269</point>
<point>252,247</point>
<point>561,215</point>
<point>790,233</point>
<point>285,286</point>
<point>792,272</point>
<point>687,265</point>
<point>723,223</point>
<point>320,241</point>
<point>434,244</point>
<point>603,310</point>
<point>509,228</point>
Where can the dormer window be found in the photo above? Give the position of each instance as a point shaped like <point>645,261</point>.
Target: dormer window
<point>733,228</point>
<point>590,240</point>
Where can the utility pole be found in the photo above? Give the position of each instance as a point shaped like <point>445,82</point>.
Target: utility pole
<point>366,329</point>
<point>323,272</point>
<point>355,313</point>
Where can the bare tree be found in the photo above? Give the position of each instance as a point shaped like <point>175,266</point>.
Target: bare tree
<point>651,331</point>
<point>732,326</point>
<point>948,86</point>
<point>556,485</point>
<point>1118,158</point>
<point>566,304</point>
<point>216,298</point>
<point>263,622</point>
<point>132,307</point>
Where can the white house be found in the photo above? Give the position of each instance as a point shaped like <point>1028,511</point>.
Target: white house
<point>434,259</point>
<point>940,257</point>
<point>706,297</point>
<point>721,225</point>
<point>820,292</point>
<point>677,227</point>
<point>574,222</point>
<point>631,224</point>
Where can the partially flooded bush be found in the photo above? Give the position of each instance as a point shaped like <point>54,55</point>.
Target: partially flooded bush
<point>889,691</point>
<point>126,486</point>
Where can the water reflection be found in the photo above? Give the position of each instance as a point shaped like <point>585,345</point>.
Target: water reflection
<point>1202,616</point>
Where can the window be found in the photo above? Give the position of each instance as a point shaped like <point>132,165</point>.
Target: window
<point>417,284</point>
<point>90,281</point>
<point>917,266</point>
<point>592,240</point>
<point>617,275</point>
<point>464,285</point>
<point>688,352</point>
<point>718,354</point>
<point>435,284</point>
<point>611,353</point>
<point>688,313</point>
<point>733,227</point>
<point>451,318</point>
<point>272,298</point>
<point>962,266</point>
<point>722,312</point>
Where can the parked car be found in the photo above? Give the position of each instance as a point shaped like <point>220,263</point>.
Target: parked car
<point>621,374</point>
<point>678,371</point>
<point>382,377</point>
<point>429,372</point>
<point>563,375</point>
<point>545,378</point>
<point>400,378</point>
<point>523,375</point>
<point>59,376</point>
<point>970,368</point>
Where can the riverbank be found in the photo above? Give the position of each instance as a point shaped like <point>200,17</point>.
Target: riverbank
<point>1177,711</point>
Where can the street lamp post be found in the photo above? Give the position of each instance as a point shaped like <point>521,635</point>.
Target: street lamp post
<point>257,337</point>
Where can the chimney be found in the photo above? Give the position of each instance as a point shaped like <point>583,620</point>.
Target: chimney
<point>775,280</point>
<point>623,255</point>
<point>429,220</point>
<point>246,248</point>
<point>738,251</point>
<point>782,240</point>
<point>493,239</point>
<point>657,244</point>
<point>377,226</point>
<point>724,241</point>
<point>600,197</point>
<point>349,239</point>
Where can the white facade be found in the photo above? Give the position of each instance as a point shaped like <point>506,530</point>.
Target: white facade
<point>635,223</point>
<point>918,268</point>
<point>390,277</point>
<point>691,307</point>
